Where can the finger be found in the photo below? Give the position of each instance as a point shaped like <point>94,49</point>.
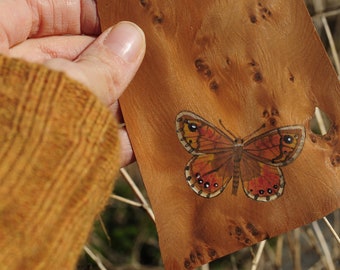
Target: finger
<point>10,31</point>
<point>126,153</point>
<point>41,49</point>
<point>108,65</point>
<point>22,19</point>
<point>116,112</point>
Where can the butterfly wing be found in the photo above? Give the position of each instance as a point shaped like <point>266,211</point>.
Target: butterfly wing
<point>198,136</point>
<point>277,147</point>
<point>209,174</point>
<point>262,179</point>
<point>261,182</point>
<point>210,169</point>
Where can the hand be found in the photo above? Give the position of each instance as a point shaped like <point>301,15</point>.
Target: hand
<point>63,37</point>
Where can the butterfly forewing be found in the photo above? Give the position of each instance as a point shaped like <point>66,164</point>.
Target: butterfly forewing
<point>260,181</point>
<point>277,147</point>
<point>198,136</point>
<point>209,174</point>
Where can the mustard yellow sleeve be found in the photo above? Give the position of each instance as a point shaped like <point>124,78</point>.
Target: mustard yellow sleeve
<point>58,158</point>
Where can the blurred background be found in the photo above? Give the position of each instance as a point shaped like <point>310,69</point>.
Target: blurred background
<point>125,237</point>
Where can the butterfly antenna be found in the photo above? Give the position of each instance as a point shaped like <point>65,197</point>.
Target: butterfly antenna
<point>254,132</point>
<point>226,130</point>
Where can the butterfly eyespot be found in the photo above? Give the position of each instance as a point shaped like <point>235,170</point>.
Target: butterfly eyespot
<point>275,186</point>
<point>192,127</point>
<point>288,139</point>
<point>200,181</point>
<point>215,185</point>
<point>261,191</point>
<point>270,191</point>
<point>206,185</point>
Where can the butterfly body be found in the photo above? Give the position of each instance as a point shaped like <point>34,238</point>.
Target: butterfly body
<point>219,158</point>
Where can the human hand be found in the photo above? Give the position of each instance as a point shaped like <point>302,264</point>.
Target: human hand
<point>62,36</point>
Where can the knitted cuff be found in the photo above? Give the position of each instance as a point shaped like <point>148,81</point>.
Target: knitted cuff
<point>58,158</point>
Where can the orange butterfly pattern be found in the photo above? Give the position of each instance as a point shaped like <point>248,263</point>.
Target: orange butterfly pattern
<point>219,158</point>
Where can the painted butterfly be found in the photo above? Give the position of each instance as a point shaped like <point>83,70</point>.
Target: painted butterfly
<point>219,158</point>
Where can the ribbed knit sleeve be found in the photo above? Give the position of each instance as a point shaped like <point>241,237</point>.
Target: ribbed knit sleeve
<point>58,158</point>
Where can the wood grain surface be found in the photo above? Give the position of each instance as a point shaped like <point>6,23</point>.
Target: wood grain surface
<point>246,63</point>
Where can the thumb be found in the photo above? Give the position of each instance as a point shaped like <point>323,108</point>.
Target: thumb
<point>107,65</point>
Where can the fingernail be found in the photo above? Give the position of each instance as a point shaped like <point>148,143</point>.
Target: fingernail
<point>126,40</point>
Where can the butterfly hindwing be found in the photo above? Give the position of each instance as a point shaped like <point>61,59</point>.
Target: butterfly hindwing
<point>209,174</point>
<point>199,136</point>
<point>277,147</point>
<point>260,181</point>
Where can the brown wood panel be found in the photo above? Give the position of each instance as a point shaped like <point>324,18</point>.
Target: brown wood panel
<point>246,63</point>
